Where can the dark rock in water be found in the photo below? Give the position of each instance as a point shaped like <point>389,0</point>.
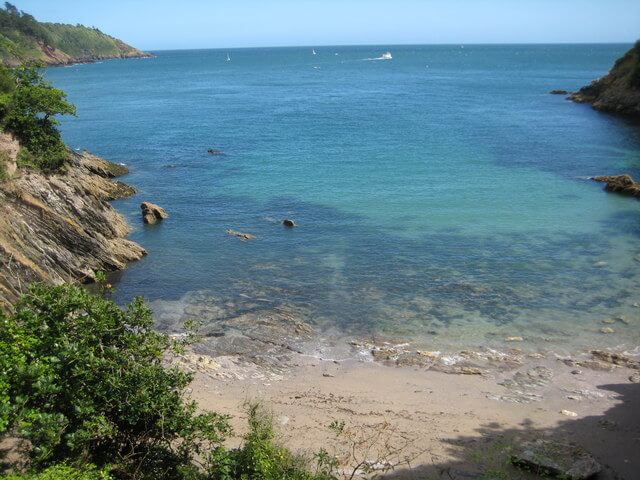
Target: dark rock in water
<point>287,222</point>
<point>549,458</point>
<point>242,236</point>
<point>559,92</point>
<point>215,151</point>
<point>152,213</point>
<point>620,184</point>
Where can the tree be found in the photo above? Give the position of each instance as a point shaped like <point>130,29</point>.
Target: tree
<point>29,113</point>
<point>11,9</point>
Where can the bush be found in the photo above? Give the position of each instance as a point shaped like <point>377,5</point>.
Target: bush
<point>63,472</point>
<point>83,381</point>
<point>29,111</point>
<point>260,457</point>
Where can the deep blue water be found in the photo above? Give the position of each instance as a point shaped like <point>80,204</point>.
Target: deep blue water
<point>440,195</point>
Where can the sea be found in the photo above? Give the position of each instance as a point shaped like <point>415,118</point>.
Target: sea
<point>441,197</point>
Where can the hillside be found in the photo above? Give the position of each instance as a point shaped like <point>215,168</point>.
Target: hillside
<point>619,90</point>
<point>24,39</point>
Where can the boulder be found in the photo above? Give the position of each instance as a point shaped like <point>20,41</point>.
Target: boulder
<point>287,222</point>
<point>152,213</point>
<point>550,458</point>
<point>620,184</point>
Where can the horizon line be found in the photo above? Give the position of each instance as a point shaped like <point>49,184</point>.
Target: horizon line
<point>385,45</point>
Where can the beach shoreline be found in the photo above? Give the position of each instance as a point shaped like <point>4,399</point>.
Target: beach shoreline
<point>460,423</point>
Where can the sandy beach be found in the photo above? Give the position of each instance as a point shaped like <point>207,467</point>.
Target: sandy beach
<point>458,425</point>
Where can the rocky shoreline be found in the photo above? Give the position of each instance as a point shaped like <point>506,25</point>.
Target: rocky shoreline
<point>60,227</point>
<point>56,61</point>
<point>618,91</point>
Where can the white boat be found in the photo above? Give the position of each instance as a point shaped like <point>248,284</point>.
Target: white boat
<point>386,56</point>
<point>228,58</point>
<point>313,50</point>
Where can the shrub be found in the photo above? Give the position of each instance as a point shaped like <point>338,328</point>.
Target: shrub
<point>63,472</point>
<point>260,458</point>
<point>83,381</point>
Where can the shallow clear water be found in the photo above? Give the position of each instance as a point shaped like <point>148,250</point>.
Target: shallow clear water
<point>440,196</point>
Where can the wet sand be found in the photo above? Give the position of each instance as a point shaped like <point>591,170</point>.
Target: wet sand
<point>450,425</point>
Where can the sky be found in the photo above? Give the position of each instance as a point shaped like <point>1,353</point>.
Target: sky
<point>183,24</point>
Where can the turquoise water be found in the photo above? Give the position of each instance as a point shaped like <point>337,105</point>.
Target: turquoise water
<point>440,196</point>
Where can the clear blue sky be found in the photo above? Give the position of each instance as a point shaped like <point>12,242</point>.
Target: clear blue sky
<point>169,24</point>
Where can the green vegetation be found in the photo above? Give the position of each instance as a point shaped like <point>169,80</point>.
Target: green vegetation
<point>64,472</point>
<point>85,391</point>
<point>28,106</point>
<point>24,39</point>
<point>4,158</point>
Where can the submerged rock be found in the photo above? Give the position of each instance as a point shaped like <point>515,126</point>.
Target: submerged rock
<point>559,92</point>
<point>152,213</point>
<point>215,151</point>
<point>549,458</point>
<point>242,236</point>
<point>623,184</point>
<point>287,222</point>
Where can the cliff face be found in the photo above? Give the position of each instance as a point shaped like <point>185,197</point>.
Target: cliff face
<point>619,90</point>
<point>60,227</point>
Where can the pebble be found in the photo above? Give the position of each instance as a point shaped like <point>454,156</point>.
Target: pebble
<point>600,264</point>
<point>568,413</point>
<point>328,375</point>
<point>635,378</point>
<point>608,321</point>
<point>607,330</point>
<point>514,339</point>
<point>576,372</point>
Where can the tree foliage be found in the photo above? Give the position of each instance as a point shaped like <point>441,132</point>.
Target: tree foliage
<point>28,109</point>
<point>86,391</point>
<point>83,380</point>
<point>13,19</point>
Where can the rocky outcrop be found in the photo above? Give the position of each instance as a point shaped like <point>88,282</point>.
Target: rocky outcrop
<point>555,459</point>
<point>620,184</point>
<point>619,90</point>
<point>152,213</point>
<point>60,227</point>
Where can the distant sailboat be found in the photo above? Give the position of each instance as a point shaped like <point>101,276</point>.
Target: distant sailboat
<point>313,50</point>
<point>228,58</point>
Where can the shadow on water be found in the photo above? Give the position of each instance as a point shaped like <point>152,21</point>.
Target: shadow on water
<point>613,438</point>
